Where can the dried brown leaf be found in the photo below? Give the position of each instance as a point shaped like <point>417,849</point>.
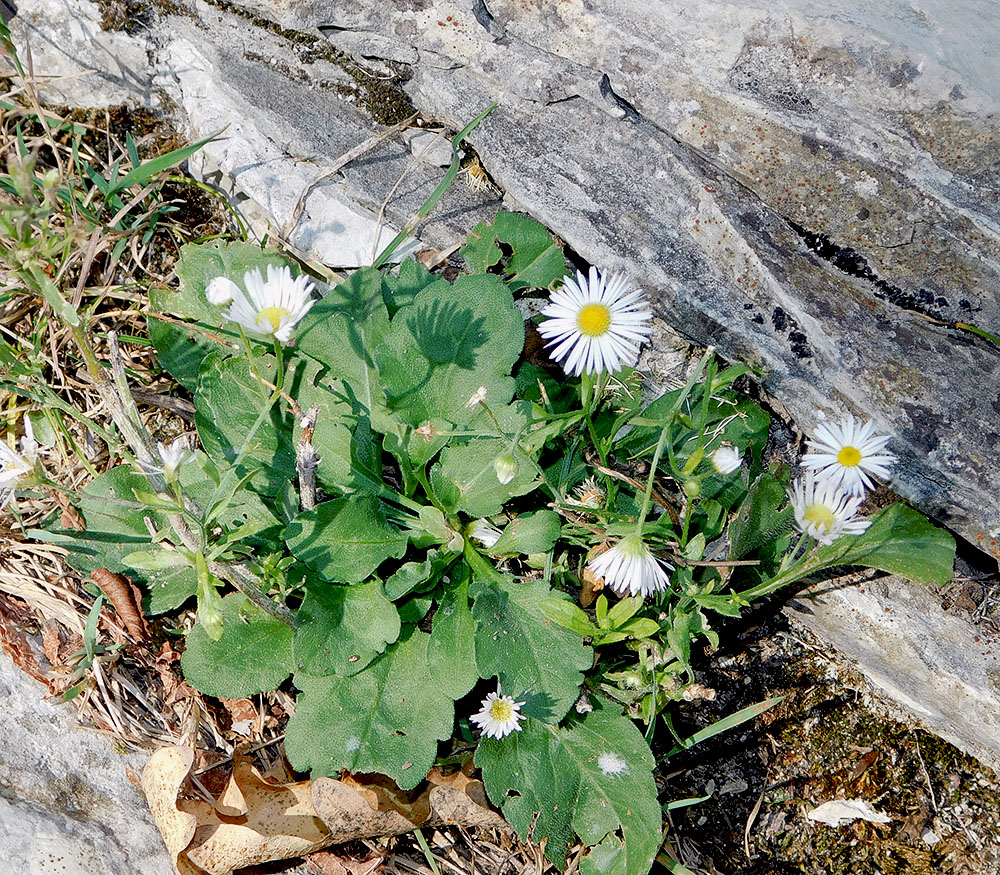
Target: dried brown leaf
<point>126,599</point>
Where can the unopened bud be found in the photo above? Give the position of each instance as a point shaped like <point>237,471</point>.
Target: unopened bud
<point>506,467</point>
<point>692,488</point>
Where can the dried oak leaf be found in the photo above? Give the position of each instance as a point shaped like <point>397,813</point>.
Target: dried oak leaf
<point>252,822</point>
<point>360,806</point>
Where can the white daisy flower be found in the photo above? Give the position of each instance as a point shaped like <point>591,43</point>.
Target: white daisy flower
<point>270,308</point>
<point>629,568</point>
<point>486,533</point>
<point>174,456</point>
<point>847,453</point>
<point>499,716</point>
<point>823,510</point>
<point>596,325</point>
<point>726,459</point>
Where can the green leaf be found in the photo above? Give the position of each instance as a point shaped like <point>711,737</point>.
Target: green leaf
<point>536,260</point>
<point>595,772</point>
<point>761,518</point>
<point>536,661</point>
<point>180,350</point>
<point>900,541</point>
<point>398,291</point>
<point>228,403</point>
<point>387,719</point>
<point>529,533</point>
<point>418,575</point>
<point>569,616</point>
<point>451,655</point>
<point>346,539</point>
<point>532,777</point>
<point>450,341</point>
<point>341,629</point>
<point>465,480</point>
<point>253,655</point>
<point>342,332</point>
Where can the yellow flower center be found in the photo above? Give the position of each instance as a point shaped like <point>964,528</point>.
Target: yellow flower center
<point>272,316</point>
<point>501,710</point>
<point>848,457</point>
<point>819,515</point>
<point>593,320</point>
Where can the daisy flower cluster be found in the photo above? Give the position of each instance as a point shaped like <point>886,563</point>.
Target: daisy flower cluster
<point>838,466</point>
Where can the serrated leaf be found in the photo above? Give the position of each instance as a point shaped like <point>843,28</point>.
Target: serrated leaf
<point>253,655</point>
<point>341,629</point>
<point>344,540</point>
<point>535,261</point>
<point>900,541</point>
<point>400,290</point>
<point>450,341</point>
<point>387,719</point>
<point>529,533</point>
<point>342,332</point>
<point>763,517</point>
<point>599,768</point>
<point>537,661</point>
<point>465,479</point>
<point>227,405</point>
<point>532,778</point>
<point>451,654</point>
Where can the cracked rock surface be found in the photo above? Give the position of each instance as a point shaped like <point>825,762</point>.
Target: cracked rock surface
<point>813,191</point>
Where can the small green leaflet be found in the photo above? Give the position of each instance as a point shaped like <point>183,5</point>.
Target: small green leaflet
<point>529,533</point>
<point>465,479</point>
<point>536,260</point>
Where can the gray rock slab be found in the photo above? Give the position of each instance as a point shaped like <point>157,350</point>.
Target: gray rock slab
<point>790,185</point>
<point>66,804</point>
<point>76,62</point>
<point>286,113</point>
<point>934,664</point>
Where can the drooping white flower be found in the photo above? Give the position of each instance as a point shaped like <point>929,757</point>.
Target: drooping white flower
<point>825,511</point>
<point>14,466</point>
<point>500,715</point>
<point>269,307</point>
<point>847,453</point>
<point>629,568</point>
<point>486,533</point>
<point>174,456</point>
<point>595,325</point>
<point>612,764</point>
<point>726,459</point>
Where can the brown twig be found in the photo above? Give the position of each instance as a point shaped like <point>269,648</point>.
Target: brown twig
<point>307,460</point>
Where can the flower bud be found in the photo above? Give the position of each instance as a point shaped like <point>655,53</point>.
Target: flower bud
<point>506,467</point>
<point>211,620</point>
<point>692,488</point>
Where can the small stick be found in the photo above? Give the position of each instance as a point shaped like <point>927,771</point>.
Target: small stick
<point>307,460</point>
<point>337,166</point>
